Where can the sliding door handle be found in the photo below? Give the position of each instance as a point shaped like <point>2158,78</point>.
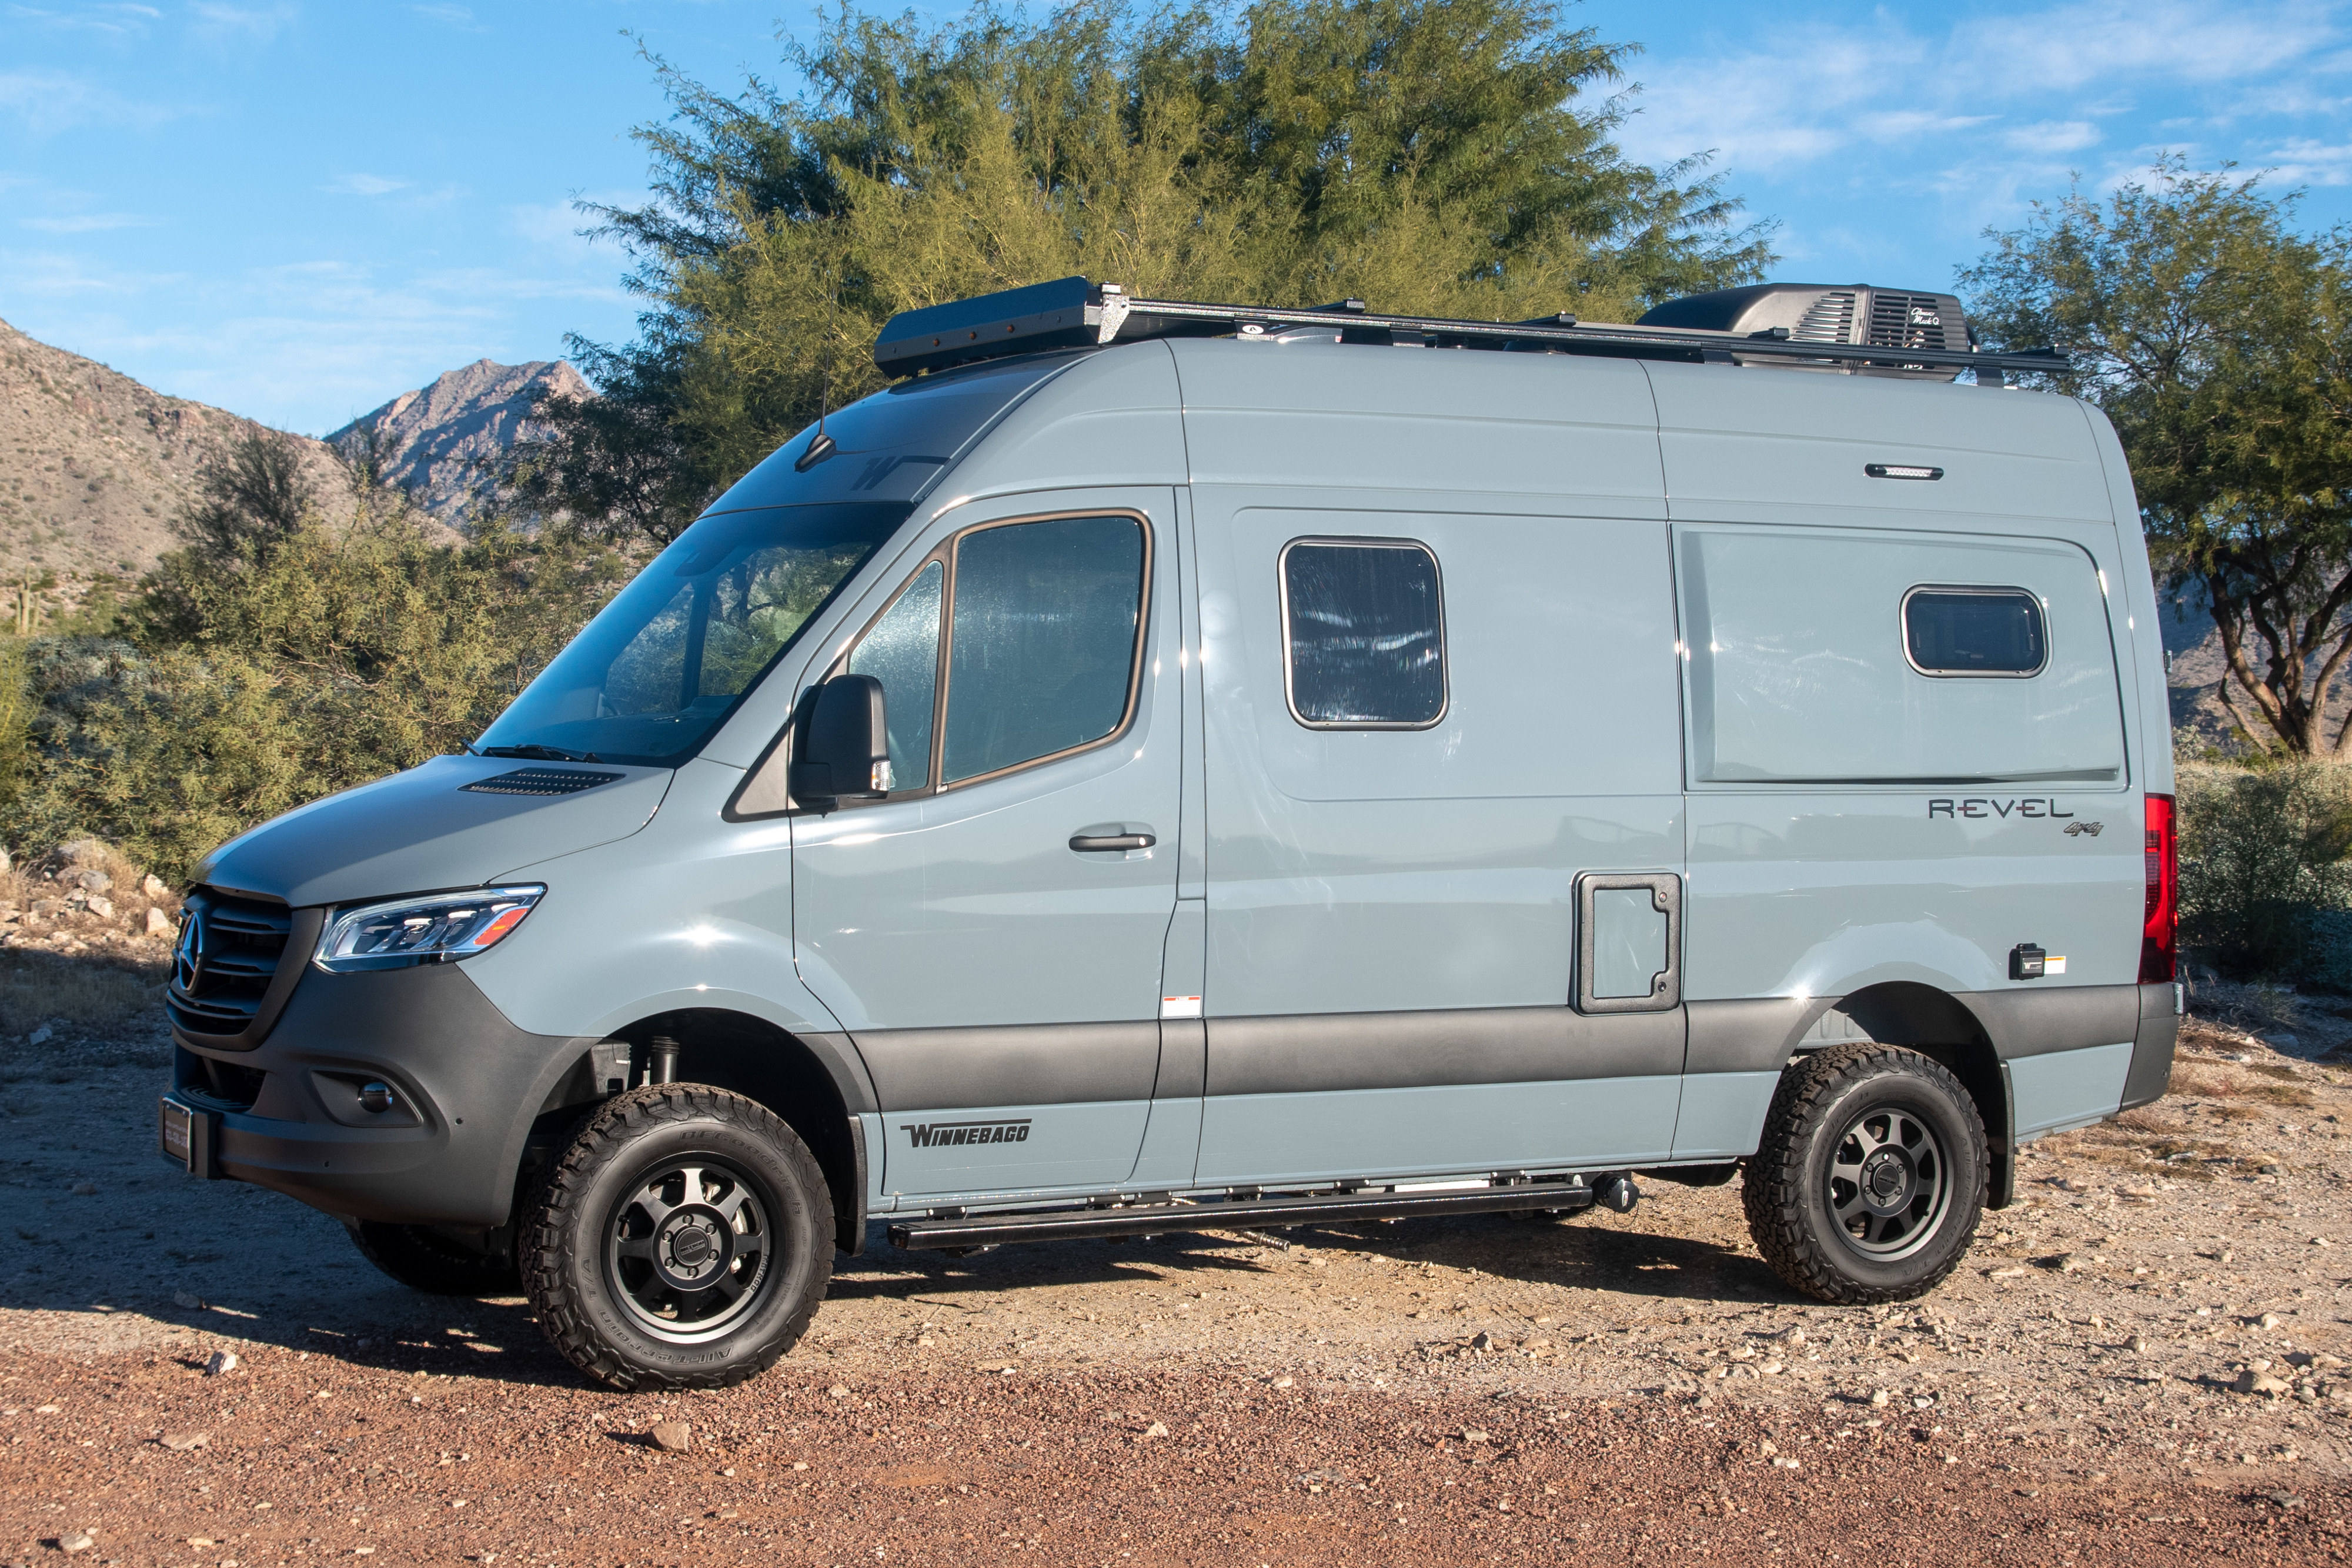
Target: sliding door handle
<point>1111,844</point>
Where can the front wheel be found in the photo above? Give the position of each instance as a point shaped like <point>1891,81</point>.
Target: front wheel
<point>682,1241</point>
<point>1871,1176</point>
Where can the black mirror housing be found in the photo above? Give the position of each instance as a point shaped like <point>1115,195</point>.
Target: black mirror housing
<point>845,743</point>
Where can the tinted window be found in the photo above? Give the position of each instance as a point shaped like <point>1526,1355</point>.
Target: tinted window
<point>902,652</point>
<point>1367,633</point>
<point>1974,631</point>
<point>661,664</point>
<point>1042,646</point>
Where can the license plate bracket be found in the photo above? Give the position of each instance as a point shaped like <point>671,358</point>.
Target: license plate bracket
<point>187,1136</point>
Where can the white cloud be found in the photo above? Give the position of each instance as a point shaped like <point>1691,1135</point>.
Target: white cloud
<point>460,17</point>
<point>559,224</point>
<point>89,223</point>
<point>2048,138</point>
<point>2068,47</point>
<point>2304,161</point>
<point>1822,91</point>
<point>49,101</point>
<point>260,25</point>
<point>363,186</point>
<point>107,21</point>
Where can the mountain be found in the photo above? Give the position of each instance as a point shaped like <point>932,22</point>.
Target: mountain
<point>444,433</point>
<point>94,466</point>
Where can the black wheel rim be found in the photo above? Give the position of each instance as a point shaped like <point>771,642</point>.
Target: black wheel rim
<point>690,1248</point>
<point>1890,1184</point>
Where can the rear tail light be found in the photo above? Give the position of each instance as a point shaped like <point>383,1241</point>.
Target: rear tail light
<point>2161,919</point>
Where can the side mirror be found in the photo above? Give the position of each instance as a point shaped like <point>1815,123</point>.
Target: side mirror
<point>844,745</point>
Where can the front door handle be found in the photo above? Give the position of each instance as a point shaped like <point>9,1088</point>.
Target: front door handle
<point>1111,844</point>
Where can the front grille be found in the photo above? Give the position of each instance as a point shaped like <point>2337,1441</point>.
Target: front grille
<point>227,952</point>
<point>1906,321</point>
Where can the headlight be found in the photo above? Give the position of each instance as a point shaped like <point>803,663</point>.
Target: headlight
<point>437,930</point>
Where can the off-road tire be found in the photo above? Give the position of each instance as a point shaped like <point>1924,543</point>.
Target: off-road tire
<point>1786,1186</point>
<point>570,1230</point>
<point>424,1259</point>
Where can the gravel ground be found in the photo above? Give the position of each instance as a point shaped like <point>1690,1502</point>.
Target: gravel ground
<point>1629,1388</point>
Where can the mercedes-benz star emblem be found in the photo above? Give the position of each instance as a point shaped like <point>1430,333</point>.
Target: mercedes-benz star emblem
<point>188,954</point>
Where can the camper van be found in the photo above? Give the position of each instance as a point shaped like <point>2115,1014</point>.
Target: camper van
<point>1162,767</point>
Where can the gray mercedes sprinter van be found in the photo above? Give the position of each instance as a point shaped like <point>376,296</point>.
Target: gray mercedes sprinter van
<point>1167,767</point>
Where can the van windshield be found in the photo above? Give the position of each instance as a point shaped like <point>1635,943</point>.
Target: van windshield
<point>664,664</point>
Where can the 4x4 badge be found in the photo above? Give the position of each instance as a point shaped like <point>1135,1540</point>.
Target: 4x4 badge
<point>2075,830</point>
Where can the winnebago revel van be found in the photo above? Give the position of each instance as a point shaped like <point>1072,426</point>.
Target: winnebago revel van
<point>1165,767</point>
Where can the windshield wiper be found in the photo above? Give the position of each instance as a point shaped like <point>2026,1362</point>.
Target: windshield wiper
<point>538,753</point>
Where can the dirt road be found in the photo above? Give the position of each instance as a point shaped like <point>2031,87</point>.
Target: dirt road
<point>1610,1388</point>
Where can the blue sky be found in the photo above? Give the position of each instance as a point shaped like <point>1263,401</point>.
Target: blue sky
<point>296,209</point>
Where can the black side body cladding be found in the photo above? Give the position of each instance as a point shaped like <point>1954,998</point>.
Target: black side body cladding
<point>1417,1050</point>
<point>2035,1020</point>
<point>1033,1064</point>
<point>1754,1034</point>
<point>2152,1045</point>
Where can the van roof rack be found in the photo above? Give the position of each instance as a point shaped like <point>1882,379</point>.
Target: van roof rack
<point>1073,313</point>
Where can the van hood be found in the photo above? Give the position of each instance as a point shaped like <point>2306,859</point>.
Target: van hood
<point>426,830</point>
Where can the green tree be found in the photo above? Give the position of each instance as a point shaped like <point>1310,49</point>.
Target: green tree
<point>2214,335</point>
<point>1447,158</point>
<point>253,491</point>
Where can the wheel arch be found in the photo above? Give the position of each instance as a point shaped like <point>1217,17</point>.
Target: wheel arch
<point>1940,1026</point>
<point>815,1082</point>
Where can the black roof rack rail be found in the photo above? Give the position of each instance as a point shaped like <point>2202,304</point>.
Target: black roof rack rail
<point>1072,313</point>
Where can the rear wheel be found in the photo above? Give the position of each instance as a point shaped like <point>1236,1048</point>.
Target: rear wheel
<point>1871,1176</point>
<point>425,1258</point>
<point>682,1241</point>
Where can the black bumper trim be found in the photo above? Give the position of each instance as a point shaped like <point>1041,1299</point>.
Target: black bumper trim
<point>474,1081</point>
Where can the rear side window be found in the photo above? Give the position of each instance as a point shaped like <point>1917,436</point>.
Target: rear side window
<point>1974,631</point>
<point>1363,625</point>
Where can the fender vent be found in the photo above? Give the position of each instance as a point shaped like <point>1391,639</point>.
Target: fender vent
<point>540,781</point>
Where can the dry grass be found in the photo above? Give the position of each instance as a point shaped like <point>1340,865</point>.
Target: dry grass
<point>2195,1083</point>
<point>36,988</point>
<point>95,980</point>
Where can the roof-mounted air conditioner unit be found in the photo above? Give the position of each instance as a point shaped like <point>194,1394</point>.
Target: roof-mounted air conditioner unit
<point>1830,314</point>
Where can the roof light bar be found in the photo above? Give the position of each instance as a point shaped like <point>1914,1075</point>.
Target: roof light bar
<point>1072,313</point>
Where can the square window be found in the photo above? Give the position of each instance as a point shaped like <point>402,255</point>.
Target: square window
<point>1974,631</point>
<point>1364,632</point>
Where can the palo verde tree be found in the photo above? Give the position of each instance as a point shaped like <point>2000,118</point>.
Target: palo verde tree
<point>1444,156</point>
<point>2214,335</point>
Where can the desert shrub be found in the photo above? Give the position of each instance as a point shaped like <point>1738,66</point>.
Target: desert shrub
<point>2266,868</point>
<point>16,713</point>
<point>264,668</point>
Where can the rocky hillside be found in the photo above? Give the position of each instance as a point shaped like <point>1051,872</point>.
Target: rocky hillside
<point>444,432</point>
<point>93,466</point>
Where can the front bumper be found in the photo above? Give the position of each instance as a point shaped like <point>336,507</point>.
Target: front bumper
<point>467,1089</point>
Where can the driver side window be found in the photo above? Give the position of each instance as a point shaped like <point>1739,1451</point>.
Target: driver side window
<point>902,652</point>
<point>1017,643</point>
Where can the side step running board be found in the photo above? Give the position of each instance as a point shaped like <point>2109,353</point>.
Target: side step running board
<point>1231,1214</point>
